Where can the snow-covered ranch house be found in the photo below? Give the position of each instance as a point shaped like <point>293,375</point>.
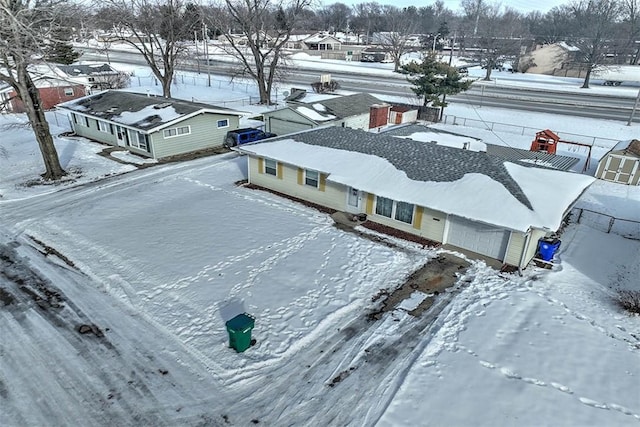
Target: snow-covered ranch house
<point>150,126</point>
<point>466,199</point>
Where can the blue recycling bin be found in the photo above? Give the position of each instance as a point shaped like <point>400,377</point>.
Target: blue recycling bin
<point>547,248</point>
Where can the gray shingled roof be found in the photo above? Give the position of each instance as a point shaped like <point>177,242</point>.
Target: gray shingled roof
<point>86,69</point>
<point>350,105</point>
<point>111,104</point>
<point>516,155</point>
<point>420,161</point>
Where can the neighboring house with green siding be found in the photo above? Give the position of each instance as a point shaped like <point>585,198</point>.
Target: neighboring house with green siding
<point>466,199</point>
<point>148,125</point>
<point>352,111</point>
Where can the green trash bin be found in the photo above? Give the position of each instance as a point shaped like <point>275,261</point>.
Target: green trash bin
<point>239,329</point>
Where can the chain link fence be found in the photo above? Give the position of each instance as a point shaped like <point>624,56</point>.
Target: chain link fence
<point>594,141</point>
<point>607,223</point>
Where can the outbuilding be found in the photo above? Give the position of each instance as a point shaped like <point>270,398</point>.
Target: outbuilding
<point>621,164</point>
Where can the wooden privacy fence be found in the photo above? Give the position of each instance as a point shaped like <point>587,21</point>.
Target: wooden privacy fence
<point>609,224</point>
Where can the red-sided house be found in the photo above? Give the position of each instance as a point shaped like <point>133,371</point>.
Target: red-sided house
<point>52,92</point>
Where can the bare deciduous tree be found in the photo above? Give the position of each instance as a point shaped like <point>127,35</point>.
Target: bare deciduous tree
<point>23,26</point>
<point>265,27</point>
<point>396,40</point>
<point>595,24</point>
<point>156,29</point>
<point>500,37</point>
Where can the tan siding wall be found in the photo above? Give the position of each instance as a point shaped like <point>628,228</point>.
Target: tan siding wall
<point>533,245</point>
<point>204,134</point>
<point>334,195</point>
<point>431,223</point>
<point>515,248</point>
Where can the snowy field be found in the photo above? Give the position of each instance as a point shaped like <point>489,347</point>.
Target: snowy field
<point>155,260</point>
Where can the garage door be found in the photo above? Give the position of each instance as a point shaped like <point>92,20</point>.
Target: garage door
<point>478,237</point>
<point>284,127</point>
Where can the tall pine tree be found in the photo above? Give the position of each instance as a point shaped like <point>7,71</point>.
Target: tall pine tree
<point>59,49</point>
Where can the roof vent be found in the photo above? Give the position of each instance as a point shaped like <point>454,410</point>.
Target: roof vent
<point>161,106</point>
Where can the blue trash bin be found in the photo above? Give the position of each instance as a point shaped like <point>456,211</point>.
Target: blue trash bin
<point>547,248</point>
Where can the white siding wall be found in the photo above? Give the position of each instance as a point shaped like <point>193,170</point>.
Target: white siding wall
<point>357,122</point>
<point>285,121</point>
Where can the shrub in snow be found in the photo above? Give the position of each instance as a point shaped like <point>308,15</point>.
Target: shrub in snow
<point>629,300</point>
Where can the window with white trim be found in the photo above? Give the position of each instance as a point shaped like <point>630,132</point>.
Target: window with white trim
<point>384,206</point>
<point>404,212</point>
<point>86,121</point>
<point>74,116</point>
<point>224,123</point>
<point>400,211</point>
<point>140,140</point>
<point>270,167</point>
<point>68,91</point>
<point>104,126</point>
<point>311,178</point>
<point>182,130</point>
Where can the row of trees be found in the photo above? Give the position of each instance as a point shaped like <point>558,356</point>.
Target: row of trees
<point>161,30</point>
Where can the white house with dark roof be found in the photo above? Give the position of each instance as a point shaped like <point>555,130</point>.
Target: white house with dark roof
<point>467,199</point>
<point>150,126</point>
<point>93,76</point>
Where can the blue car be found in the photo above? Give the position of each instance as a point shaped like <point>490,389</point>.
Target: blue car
<point>242,136</point>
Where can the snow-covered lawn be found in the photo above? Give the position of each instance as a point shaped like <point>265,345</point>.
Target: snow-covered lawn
<point>155,260</point>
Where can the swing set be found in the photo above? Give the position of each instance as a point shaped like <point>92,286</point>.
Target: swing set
<point>546,141</point>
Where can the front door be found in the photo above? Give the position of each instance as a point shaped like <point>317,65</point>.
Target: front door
<point>121,136</point>
<point>353,200</point>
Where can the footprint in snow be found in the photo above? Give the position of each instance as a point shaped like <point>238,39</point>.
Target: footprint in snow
<point>562,388</point>
<point>622,409</point>
<point>509,373</point>
<point>593,403</point>
<point>487,364</point>
<point>534,382</point>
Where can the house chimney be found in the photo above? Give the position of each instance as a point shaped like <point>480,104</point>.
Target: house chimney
<point>378,115</point>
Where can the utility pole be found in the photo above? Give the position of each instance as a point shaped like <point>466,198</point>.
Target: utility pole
<point>195,40</point>
<point>444,95</point>
<point>633,110</point>
<point>205,40</point>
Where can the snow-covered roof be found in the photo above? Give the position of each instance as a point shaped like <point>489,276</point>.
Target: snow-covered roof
<point>419,132</point>
<point>143,112</point>
<point>75,70</point>
<point>629,147</point>
<point>322,109</point>
<point>469,184</point>
<point>318,38</point>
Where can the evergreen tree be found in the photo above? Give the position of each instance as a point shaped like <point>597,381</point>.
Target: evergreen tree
<point>434,79</point>
<point>59,50</point>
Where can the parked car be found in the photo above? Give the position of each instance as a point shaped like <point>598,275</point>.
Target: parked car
<point>242,136</point>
